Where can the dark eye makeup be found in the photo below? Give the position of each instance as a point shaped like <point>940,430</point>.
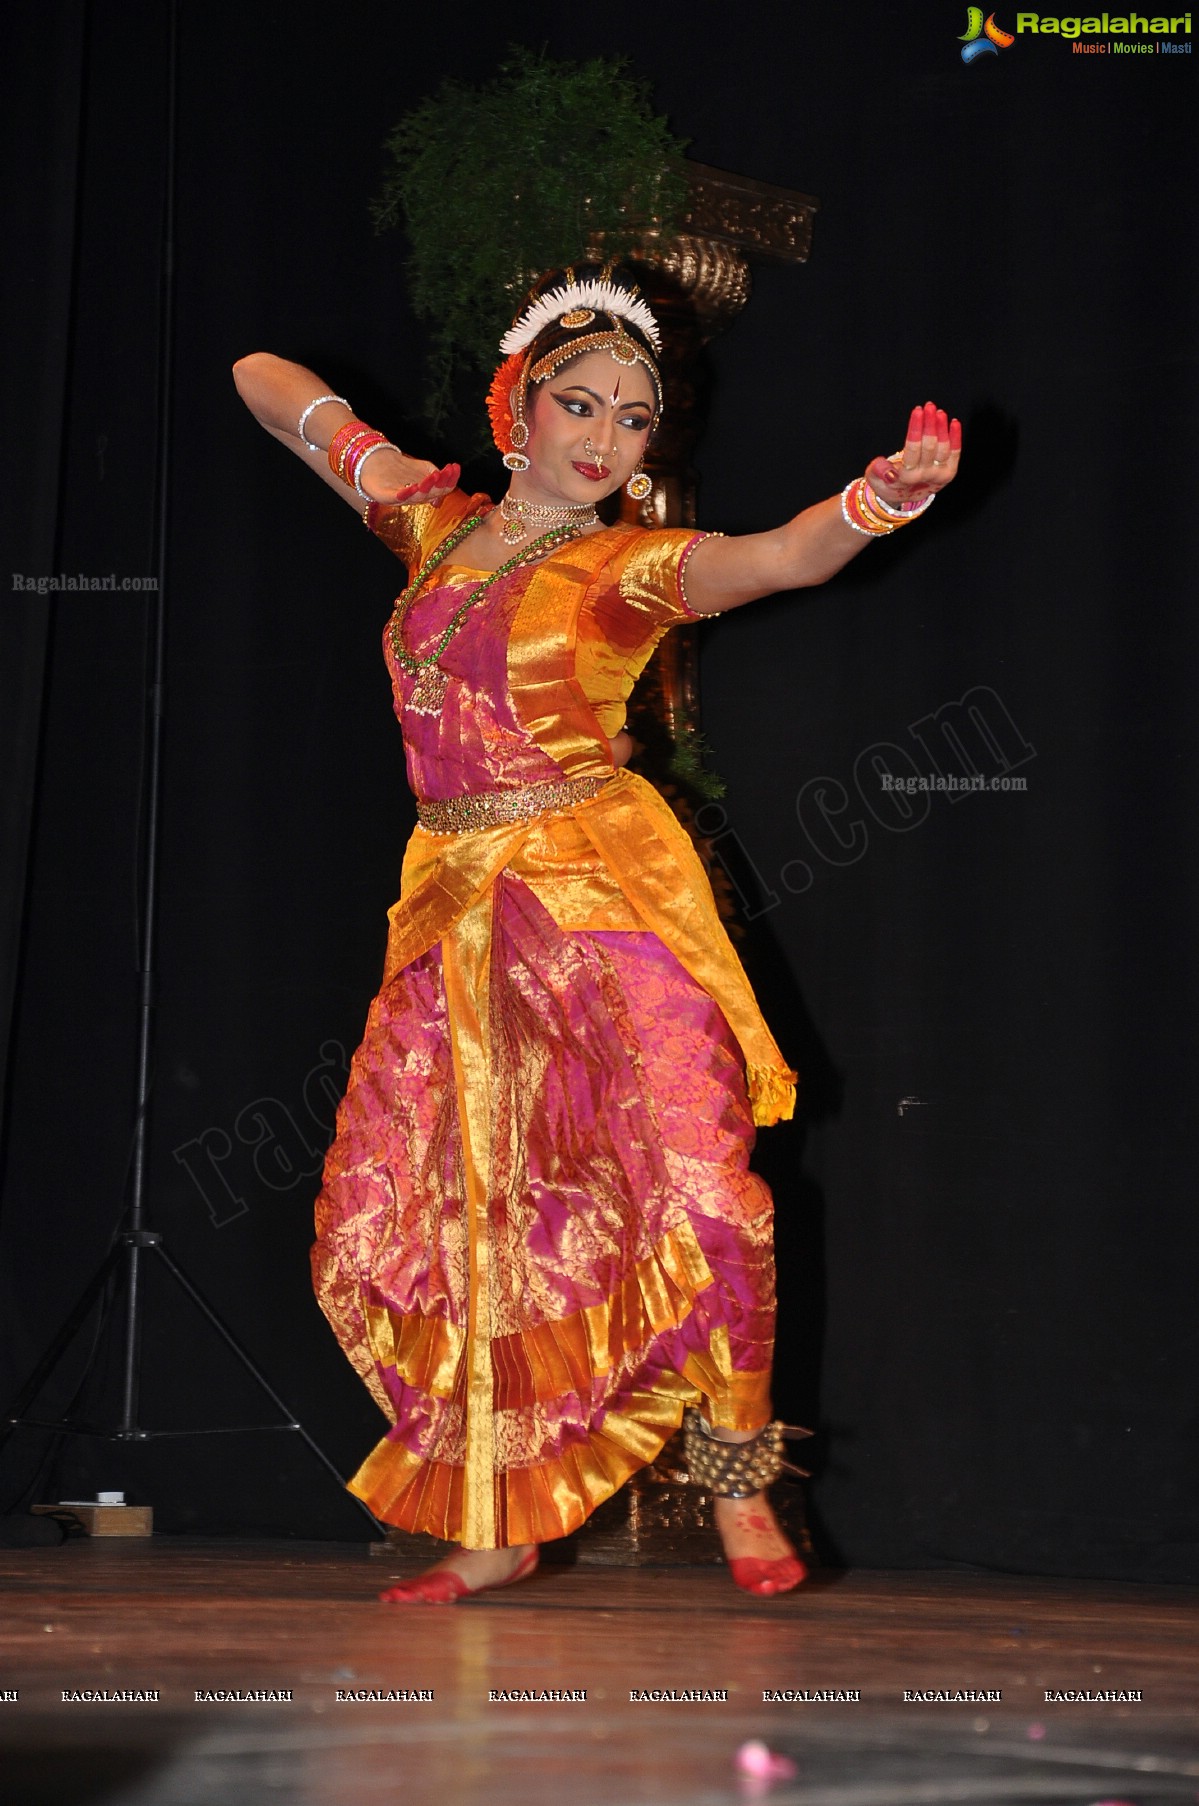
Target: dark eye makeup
<point>579,403</point>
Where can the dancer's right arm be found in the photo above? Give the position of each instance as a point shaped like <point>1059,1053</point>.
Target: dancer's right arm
<point>277,393</point>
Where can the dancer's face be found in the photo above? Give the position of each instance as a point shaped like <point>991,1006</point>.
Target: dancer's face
<point>588,427</point>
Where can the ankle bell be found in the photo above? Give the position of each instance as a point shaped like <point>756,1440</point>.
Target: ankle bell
<point>732,1470</point>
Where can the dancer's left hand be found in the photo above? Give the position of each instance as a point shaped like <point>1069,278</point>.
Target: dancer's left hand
<point>929,459</point>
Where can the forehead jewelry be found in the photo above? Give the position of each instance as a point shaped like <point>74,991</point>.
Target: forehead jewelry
<point>619,346</point>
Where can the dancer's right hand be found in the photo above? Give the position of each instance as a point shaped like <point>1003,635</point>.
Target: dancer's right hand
<point>392,477</point>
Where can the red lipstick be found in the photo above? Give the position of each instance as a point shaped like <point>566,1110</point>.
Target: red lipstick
<point>597,475</point>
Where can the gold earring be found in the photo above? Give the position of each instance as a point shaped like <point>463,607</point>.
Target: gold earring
<point>639,485</point>
<point>518,438</point>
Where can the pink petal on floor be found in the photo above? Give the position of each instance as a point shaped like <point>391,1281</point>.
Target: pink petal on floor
<point>755,1758</point>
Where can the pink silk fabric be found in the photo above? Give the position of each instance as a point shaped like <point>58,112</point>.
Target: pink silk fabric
<point>476,742</point>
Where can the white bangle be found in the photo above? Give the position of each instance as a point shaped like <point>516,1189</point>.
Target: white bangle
<point>383,445</point>
<point>312,405</point>
<point>876,501</point>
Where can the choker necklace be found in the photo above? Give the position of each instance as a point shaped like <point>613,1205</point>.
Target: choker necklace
<point>516,514</point>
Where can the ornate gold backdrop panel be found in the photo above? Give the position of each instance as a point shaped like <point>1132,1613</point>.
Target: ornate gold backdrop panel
<point>698,282</point>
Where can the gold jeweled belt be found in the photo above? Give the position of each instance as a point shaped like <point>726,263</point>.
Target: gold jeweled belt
<point>492,808</point>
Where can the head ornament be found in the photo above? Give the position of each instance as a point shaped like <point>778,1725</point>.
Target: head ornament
<point>599,296</point>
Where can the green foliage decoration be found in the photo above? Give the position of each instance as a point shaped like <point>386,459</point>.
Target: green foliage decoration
<point>498,183</point>
<point>687,765</point>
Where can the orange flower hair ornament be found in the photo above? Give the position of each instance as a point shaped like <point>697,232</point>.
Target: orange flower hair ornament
<point>505,406</point>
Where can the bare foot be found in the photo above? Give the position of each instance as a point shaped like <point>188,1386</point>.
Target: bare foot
<point>483,1567</point>
<point>760,1558</point>
<point>749,1527</point>
<point>465,1571</point>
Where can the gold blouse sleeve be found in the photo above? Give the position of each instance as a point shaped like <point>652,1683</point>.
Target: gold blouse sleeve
<point>413,530</point>
<point>634,599</point>
<point>651,578</point>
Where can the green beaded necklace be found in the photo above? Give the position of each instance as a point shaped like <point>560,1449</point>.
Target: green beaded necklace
<point>431,681</point>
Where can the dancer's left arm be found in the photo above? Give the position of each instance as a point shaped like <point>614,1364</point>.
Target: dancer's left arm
<point>725,572</point>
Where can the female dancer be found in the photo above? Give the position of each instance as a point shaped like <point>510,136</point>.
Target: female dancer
<point>538,1240</point>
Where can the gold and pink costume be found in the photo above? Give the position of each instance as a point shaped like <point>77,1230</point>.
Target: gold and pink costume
<point>538,1238</point>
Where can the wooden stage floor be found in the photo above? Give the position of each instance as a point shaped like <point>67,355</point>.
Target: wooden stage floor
<point>183,1617</point>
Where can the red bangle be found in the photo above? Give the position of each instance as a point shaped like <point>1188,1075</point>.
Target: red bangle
<point>347,452</point>
<point>340,444</point>
<point>356,452</point>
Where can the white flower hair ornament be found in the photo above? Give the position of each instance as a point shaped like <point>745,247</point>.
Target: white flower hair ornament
<point>580,297</point>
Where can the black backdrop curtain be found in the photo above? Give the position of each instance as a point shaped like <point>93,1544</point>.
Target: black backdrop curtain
<point>985,1217</point>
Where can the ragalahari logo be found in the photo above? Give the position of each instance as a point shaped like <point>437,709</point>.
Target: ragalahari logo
<point>983,37</point>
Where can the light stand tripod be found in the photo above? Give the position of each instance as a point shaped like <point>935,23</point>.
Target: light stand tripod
<point>121,1275</point>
